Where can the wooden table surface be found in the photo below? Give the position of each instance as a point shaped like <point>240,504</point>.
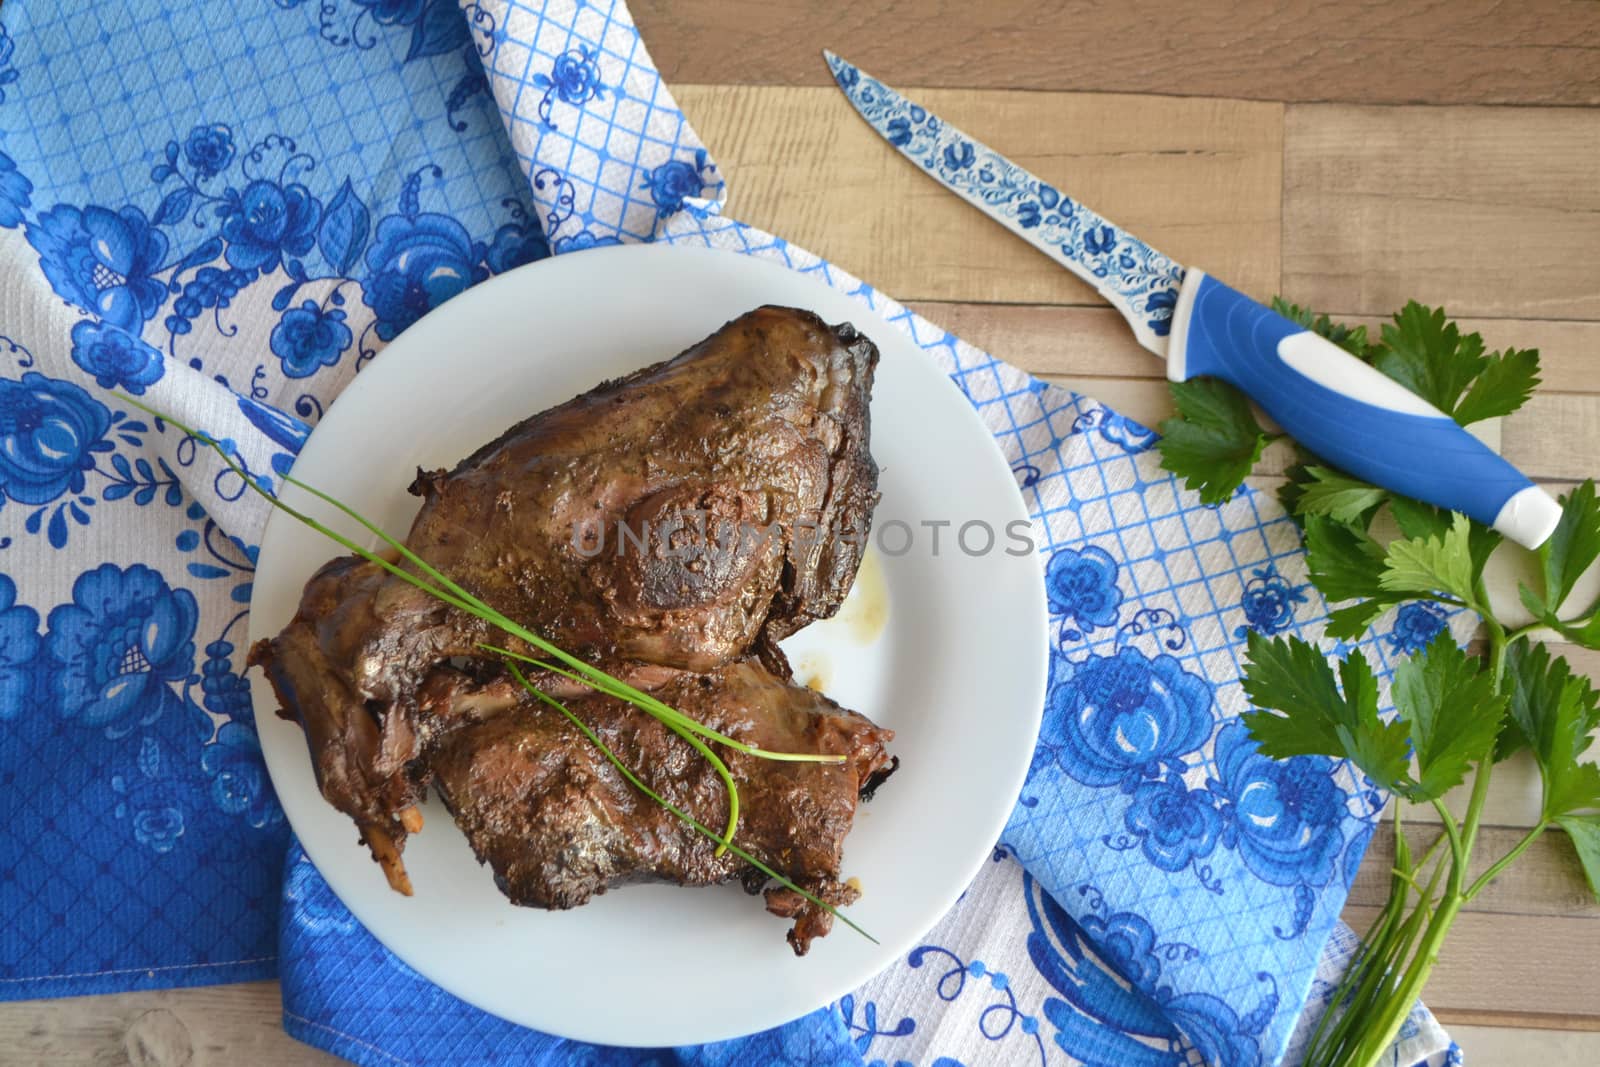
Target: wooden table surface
<point>1348,155</point>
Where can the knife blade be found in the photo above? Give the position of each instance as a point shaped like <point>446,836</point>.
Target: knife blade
<point>1340,408</point>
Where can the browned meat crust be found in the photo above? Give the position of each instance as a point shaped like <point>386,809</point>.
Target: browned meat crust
<point>759,435</point>
<point>558,823</point>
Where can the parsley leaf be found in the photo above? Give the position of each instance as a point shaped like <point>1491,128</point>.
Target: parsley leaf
<point>1427,353</point>
<point>1344,562</point>
<point>1418,520</point>
<point>1295,480</point>
<point>1531,683</point>
<point>1569,785</point>
<point>1304,711</point>
<point>1214,440</point>
<point>1506,382</point>
<point>1453,712</point>
<point>1587,634</point>
<point>1553,712</point>
<point>1422,565</point>
<point>1350,622</point>
<point>1339,496</point>
<point>1573,547</point>
<point>1584,830</point>
<point>1293,677</point>
<point>1352,339</point>
<point>1575,789</point>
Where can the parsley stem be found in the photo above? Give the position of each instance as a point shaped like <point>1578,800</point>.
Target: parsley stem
<point>1505,861</point>
<point>1451,832</point>
<point>1371,954</point>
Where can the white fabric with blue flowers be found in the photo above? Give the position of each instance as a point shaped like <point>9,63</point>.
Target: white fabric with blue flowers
<point>226,211</point>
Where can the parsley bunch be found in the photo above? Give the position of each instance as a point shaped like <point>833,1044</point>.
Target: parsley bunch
<point>1457,714</point>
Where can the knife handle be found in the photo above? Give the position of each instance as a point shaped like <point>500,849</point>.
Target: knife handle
<point>1349,413</point>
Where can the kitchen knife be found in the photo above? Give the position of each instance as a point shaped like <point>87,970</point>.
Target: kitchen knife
<point>1343,410</point>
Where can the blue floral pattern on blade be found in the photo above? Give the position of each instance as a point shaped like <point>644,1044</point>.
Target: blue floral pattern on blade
<point>116,358</point>
<point>103,261</point>
<point>1082,585</point>
<point>50,431</point>
<point>309,338</point>
<point>1125,270</point>
<point>1285,817</point>
<point>1125,717</point>
<point>1268,603</point>
<point>19,644</point>
<point>15,190</point>
<point>1415,625</point>
<point>116,649</point>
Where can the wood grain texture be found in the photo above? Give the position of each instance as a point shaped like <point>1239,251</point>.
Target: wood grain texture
<point>1488,211</point>
<point>1357,51</point>
<point>800,162</point>
<point>1093,340</point>
<point>1528,965</point>
<point>1494,212</point>
<point>1545,880</point>
<point>208,1026</point>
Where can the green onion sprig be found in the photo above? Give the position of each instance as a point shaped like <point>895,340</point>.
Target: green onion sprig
<point>724,843</point>
<point>452,594</point>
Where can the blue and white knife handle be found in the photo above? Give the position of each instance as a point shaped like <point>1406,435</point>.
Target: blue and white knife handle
<point>1349,413</point>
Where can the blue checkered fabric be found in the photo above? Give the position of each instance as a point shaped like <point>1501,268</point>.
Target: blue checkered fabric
<point>226,211</point>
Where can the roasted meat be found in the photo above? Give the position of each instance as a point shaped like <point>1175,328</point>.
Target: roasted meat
<point>671,525</point>
<point>559,823</point>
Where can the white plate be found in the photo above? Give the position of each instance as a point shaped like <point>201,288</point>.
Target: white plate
<point>958,671</point>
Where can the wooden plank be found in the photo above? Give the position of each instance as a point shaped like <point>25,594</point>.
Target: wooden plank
<point>1488,211</point>
<point>1556,435</point>
<point>1525,964</point>
<point>1365,51</point>
<point>1545,880</point>
<point>1498,1036</point>
<point>1094,340</point>
<point>208,1026</point>
<point>1202,178</point>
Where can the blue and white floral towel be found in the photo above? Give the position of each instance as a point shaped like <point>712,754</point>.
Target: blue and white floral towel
<point>227,210</point>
